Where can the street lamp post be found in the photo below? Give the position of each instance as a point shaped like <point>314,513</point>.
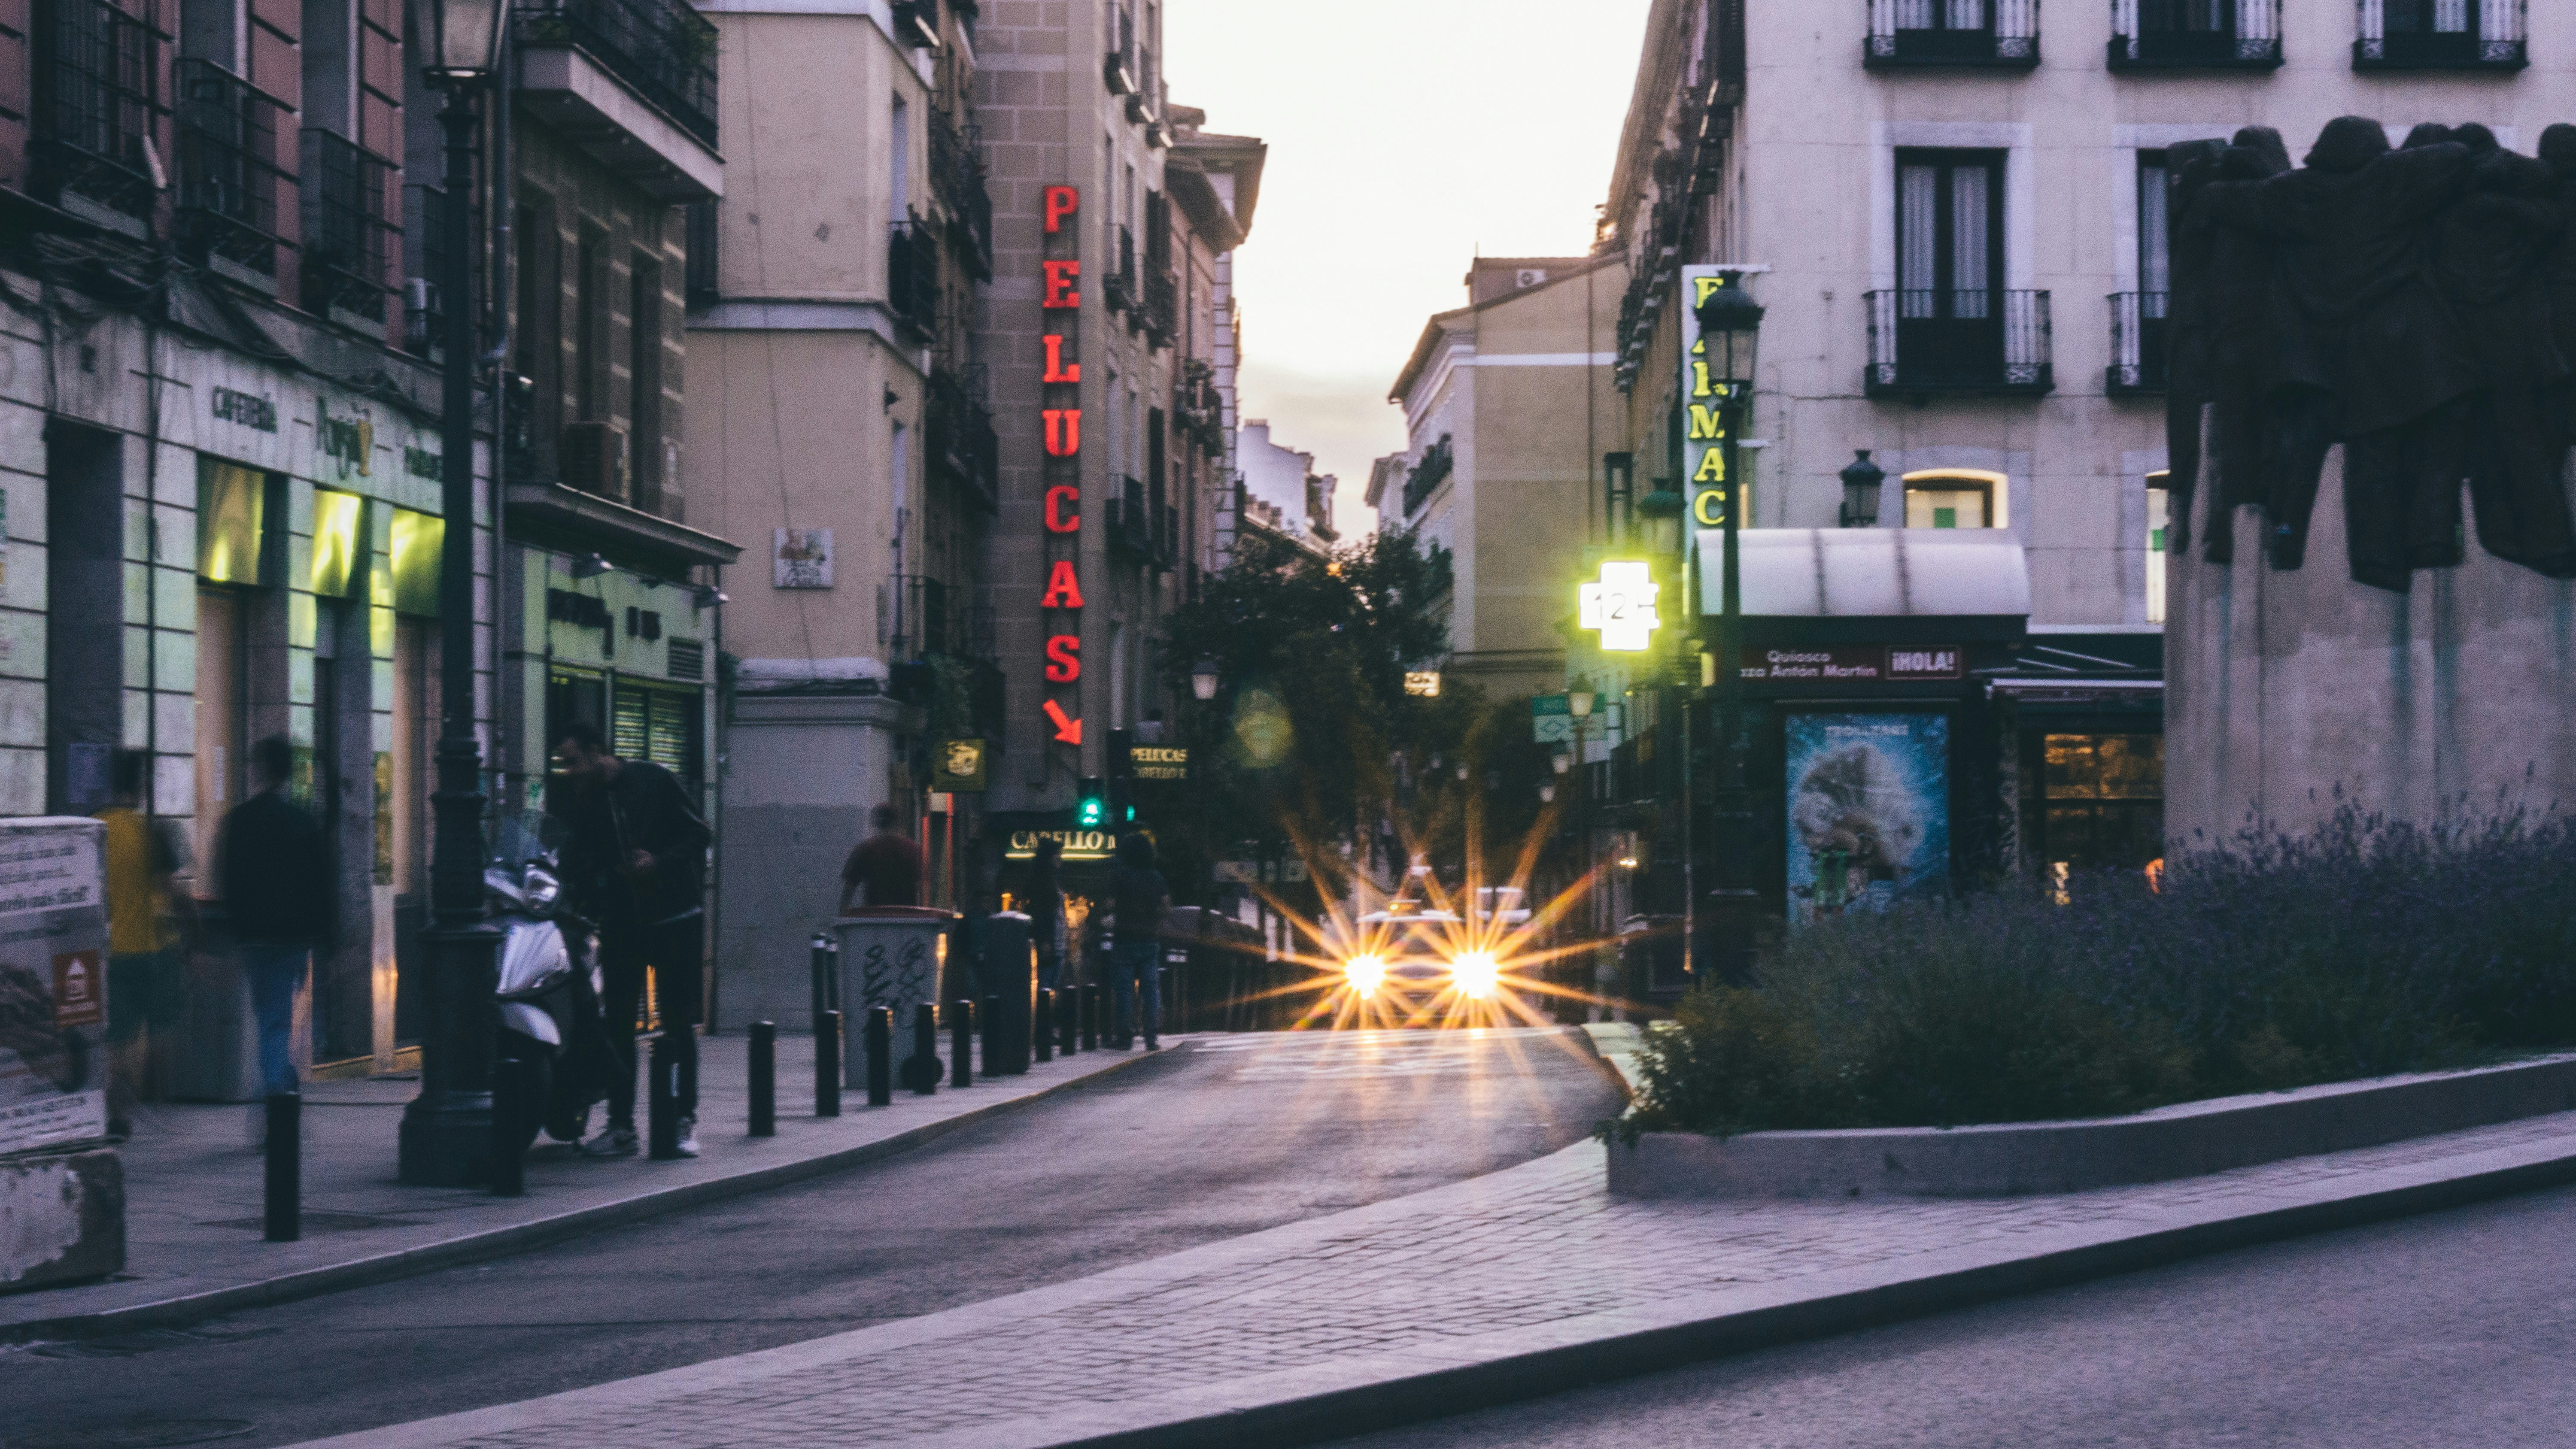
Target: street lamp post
<point>446,1134</point>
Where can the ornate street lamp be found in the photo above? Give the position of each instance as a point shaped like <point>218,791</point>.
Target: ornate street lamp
<point>1862,480</point>
<point>446,1134</point>
<point>1203,680</point>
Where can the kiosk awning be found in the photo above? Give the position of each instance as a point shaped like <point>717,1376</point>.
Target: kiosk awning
<point>1962,584</point>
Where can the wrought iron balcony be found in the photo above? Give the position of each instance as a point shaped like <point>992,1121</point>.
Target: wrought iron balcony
<point>1132,523</point>
<point>1162,307</point>
<point>1198,409</point>
<point>662,49</point>
<point>98,98</point>
<point>965,449</point>
<point>912,274</point>
<point>2138,321</point>
<point>349,234</point>
<point>1427,475</point>
<point>1119,287</point>
<point>957,174</point>
<point>230,172</point>
<point>2443,35</point>
<point>1998,34</point>
<point>1958,340</point>
<point>921,617</point>
<point>2195,35</point>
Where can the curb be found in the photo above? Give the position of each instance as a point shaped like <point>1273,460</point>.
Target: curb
<point>500,1242</point>
<point>1442,1393</point>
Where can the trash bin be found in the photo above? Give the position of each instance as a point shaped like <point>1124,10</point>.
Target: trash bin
<point>1006,969</point>
<point>892,956</point>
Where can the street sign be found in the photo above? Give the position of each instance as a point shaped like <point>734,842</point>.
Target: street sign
<point>1552,719</point>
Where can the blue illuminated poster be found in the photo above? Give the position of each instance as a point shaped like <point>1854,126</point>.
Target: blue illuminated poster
<point>1869,811</point>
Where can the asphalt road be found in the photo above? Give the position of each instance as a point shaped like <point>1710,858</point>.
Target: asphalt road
<point>1227,1136</point>
<point>2456,1330</point>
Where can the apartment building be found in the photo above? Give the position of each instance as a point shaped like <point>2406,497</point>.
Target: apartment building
<point>1953,214</point>
<point>1110,334</point>
<point>1281,494</point>
<point>223,229</point>
<point>1508,407</point>
<point>848,435</point>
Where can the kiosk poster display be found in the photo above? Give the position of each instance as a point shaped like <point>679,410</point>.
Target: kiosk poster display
<point>1869,811</point>
<point>53,984</point>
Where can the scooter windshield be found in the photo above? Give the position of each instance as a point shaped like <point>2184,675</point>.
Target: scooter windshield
<point>525,836</point>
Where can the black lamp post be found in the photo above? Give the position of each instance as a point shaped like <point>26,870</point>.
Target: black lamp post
<point>1730,324</point>
<point>447,1130</point>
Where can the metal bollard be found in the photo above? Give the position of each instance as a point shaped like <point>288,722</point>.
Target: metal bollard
<point>285,1147</point>
<point>764,1079</point>
<point>819,962</point>
<point>880,1056</point>
<point>1066,1010</point>
<point>1091,1017</point>
<point>510,1107</point>
<point>827,1064</point>
<point>921,1070</point>
<point>1044,1021</point>
<point>662,1108</point>
<point>961,1043</point>
<point>997,1052</point>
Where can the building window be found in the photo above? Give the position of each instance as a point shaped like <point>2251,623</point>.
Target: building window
<point>2002,33</point>
<point>1955,499</point>
<point>2158,501</point>
<point>2138,319</point>
<point>1949,325</point>
<point>2442,35</point>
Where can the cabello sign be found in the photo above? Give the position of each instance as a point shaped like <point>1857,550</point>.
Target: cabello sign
<point>1060,607</point>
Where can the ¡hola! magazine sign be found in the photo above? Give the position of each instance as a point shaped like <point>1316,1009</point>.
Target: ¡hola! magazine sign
<point>1855,664</point>
<point>53,984</point>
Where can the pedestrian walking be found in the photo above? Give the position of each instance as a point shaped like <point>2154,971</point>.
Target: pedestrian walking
<point>1046,912</point>
<point>886,867</point>
<point>146,977</point>
<point>1138,902</point>
<point>635,861</point>
<point>275,875</point>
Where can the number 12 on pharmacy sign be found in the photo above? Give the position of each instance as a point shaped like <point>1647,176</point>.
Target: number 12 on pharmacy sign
<point>1621,606</point>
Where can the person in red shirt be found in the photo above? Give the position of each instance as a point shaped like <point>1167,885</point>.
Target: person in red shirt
<point>887,866</point>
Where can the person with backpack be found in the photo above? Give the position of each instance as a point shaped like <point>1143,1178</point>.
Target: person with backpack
<point>635,862</point>
<point>1139,900</point>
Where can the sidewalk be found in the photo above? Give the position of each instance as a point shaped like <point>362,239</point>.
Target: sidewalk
<point>1504,1287</point>
<point>193,1187</point>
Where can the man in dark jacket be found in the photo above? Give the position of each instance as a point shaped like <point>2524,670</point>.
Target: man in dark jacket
<point>275,876</point>
<point>1140,900</point>
<point>635,862</point>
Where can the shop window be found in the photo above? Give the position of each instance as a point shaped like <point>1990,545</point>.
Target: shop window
<point>2105,801</point>
<point>1955,499</point>
<point>660,725</point>
<point>340,541</point>
<point>222,719</point>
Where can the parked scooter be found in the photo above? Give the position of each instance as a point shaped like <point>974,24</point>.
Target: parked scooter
<point>548,992</point>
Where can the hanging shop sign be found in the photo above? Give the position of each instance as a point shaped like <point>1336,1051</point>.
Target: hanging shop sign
<point>1060,607</point>
<point>1708,405</point>
<point>1856,663</point>
<point>1157,762</point>
<point>1422,683</point>
<point>958,766</point>
<point>1620,606</point>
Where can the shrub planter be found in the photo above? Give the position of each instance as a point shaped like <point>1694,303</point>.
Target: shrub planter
<point>2011,1158</point>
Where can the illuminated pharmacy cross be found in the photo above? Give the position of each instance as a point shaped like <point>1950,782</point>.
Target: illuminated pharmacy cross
<point>1621,606</point>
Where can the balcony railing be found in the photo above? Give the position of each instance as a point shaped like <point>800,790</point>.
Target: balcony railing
<point>957,173</point>
<point>1118,68</point>
<point>1996,33</point>
<point>1119,287</point>
<point>1427,475</point>
<point>1958,340</point>
<point>349,236</point>
<point>1162,307</point>
<point>230,172</point>
<point>1198,409</point>
<point>2138,321</point>
<point>912,274</point>
<point>964,446</point>
<point>2195,34</point>
<point>662,49</point>
<point>98,97</point>
<point>2443,35</point>
<point>1133,525</point>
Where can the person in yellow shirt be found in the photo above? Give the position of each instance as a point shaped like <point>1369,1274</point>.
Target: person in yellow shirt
<point>146,985</point>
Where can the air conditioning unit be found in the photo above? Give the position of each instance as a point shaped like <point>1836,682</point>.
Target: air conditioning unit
<point>592,458</point>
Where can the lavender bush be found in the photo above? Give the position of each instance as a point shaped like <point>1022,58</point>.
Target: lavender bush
<point>2368,947</point>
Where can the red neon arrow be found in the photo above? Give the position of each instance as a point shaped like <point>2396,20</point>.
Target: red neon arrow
<point>1068,731</point>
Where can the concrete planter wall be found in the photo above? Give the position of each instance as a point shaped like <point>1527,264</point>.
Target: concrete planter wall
<point>62,1218</point>
<point>2040,1157</point>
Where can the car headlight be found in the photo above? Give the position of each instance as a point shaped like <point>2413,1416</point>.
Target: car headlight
<point>1365,974</point>
<point>1475,974</point>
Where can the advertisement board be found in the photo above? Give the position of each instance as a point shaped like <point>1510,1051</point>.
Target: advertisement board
<point>1869,811</point>
<point>53,984</point>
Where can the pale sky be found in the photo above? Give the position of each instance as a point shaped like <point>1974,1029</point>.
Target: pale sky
<point>1407,137</point>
